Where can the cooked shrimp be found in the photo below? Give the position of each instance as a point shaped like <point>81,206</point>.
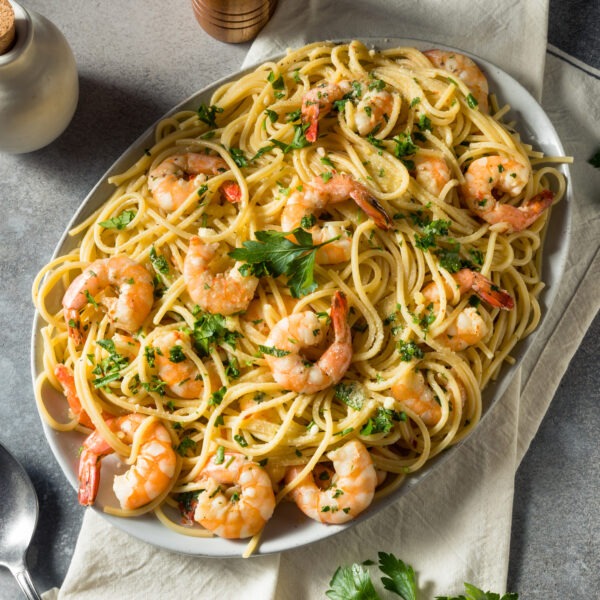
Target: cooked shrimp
<point>432,172</point>
<point>132,282</point>
<point>490,173</point>
<point>467,279</point>
<point>178,176</point>
<point>319,100</point>
<point>66,379</point>
<point>464,68</point>
<point>373,110</point>
<point>224,293</point>
<point>147,478</point>
<point>314,197</point>
<point>468,328</point>
<point>304,330</point>
<point>349,492</point>
<point>179,372</point>
<point>413,392</point>
<point>240,510</point>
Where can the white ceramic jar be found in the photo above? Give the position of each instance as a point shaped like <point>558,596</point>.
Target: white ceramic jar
<point>39,87</point>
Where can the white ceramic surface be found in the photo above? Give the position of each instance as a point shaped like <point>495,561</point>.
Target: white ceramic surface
<point>39,86</point>
<point>288,528</point>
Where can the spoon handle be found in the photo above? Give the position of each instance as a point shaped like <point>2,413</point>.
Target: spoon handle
<point>24,580</point>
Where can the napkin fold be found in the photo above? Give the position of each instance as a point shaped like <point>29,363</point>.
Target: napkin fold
<point>455,525</point>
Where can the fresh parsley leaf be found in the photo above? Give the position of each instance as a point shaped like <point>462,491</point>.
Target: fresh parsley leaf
<point>474,593</point>
<point>401,577</point>
<point>273,254</point>
<point>207,114</point>
<point>352,583</point>
<point>272,351</point>
<point>120,221</point>
<point>187,443</point>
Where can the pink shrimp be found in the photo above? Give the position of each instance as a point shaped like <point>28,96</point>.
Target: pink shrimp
<point>489,173</point>
<point>177,177</point>
<point>236,499</point>
<point>176,370</point>
<point>303,330</point>
<point>224,293</point>
<point>319,100</point>
<point>432,172</point>
<point>464,68</point>
<point>373,110</point>
<point>315,196</point>
<point>349,492</point>
<point>135,294</point>
<point>146,479</point>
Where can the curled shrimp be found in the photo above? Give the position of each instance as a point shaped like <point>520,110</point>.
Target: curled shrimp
<point>179,372</point>
<point>469,327</point>
<point>128,310</point>
<point>464,68</point>
<point>373,110</point>
<point>147,478</point>
<point>178,176</point>
<point>304,330</point>
<point>236,499</point>
<point>349,491</point>
<point>319,100</point>
<point>413,392</point>
<point>315,196</point>
<point>217,293</point>
<point>496,173</point>
<point>432,172</point>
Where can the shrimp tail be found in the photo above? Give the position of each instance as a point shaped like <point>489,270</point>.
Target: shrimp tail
<point>491,293</point>
<point>310,117</point>
<point>231,192</point>
<point>89,478</point>
<point>536,205</point>
<point>373,208</point>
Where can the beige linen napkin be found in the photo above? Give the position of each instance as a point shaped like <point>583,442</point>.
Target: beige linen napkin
<point>455,526</point>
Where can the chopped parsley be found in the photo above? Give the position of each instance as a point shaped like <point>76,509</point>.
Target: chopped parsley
<point>207,114</point>
<point>409,350</point>
<point>120,221</point>
<point>210,331</point>
<point>471,101</point>
<point>351,394</point>
<point>404,145</point>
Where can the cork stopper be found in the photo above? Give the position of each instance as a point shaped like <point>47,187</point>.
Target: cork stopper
<point>7,26</point>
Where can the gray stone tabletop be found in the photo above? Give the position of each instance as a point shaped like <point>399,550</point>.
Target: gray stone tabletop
<point>136,60</point>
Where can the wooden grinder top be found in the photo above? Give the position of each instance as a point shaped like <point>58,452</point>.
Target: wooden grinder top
<point>7,26</point>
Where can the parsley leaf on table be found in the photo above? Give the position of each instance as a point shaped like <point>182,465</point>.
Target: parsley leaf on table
<point>352,583</point>
<point>273,254</point>
<point>474,593</point>
<point>401,577</point>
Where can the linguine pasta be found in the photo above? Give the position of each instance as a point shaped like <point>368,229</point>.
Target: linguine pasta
<point>413,385</point>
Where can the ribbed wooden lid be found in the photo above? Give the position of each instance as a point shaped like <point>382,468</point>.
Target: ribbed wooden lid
<point>7,26</point>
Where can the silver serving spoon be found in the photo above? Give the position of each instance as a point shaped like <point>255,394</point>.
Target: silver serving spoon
<point>18,518</point>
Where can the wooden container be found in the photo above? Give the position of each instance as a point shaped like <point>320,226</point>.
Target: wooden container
<point>233,21</point>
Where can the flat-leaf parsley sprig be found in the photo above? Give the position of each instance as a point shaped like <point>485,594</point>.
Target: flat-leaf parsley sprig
<point>274,254</point>
<point>355,583</point>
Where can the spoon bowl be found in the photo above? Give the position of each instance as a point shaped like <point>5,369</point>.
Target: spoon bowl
<point>18,518</point>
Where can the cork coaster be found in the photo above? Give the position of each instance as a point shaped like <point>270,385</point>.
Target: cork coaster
<point>7,26</point>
